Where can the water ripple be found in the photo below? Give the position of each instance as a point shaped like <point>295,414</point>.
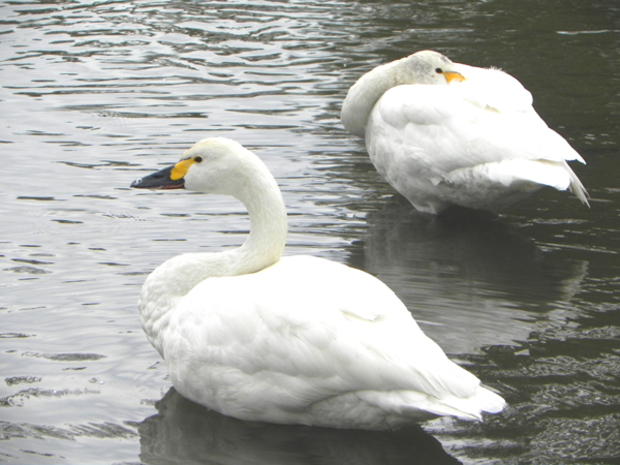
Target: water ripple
<point>96,93</point>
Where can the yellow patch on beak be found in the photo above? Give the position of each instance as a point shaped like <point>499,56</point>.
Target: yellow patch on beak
<point>180,169</point>
<point>453,76</point>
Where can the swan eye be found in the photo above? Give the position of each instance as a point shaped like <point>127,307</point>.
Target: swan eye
<point>198,159</point>
<point>438,70</point>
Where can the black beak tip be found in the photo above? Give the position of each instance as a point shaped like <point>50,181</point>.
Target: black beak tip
<point>159,180</point>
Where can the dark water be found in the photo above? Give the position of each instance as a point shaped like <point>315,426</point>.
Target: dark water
<point>94,94</point>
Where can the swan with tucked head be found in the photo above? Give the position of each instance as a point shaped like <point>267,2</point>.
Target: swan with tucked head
<point>444,133</point>
<point>296,339</point>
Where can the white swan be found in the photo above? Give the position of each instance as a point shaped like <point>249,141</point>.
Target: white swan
<point>293,340</point>
<point>444,133</point>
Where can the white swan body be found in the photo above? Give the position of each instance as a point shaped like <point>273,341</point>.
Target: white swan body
<point>444,133</point>
<point>292,340</point>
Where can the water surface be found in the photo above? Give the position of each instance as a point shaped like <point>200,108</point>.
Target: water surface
<point>95,94</point>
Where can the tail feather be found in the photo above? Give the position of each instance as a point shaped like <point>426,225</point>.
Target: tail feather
<point>484,400</point>
<point>419,405</point>
<point>577,188</point>
<point>556,174</point>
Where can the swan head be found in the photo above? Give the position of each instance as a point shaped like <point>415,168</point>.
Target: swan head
<point>222,166</point>
<point>215,165</point>
<point>427,67</point>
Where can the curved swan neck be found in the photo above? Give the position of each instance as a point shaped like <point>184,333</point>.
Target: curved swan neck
<point>243,175</point>
<point>424,67</point>
<point>268,224</point>
<point>363,95</point>
<point>248,179</point>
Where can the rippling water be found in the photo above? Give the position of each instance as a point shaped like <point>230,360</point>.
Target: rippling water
<point>94,94</point>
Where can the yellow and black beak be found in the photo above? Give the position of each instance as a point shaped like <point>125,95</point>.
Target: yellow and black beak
<point>171,177</point>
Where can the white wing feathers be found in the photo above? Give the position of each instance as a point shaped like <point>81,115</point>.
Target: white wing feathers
<point>363,340</point>
<point>468,131</point>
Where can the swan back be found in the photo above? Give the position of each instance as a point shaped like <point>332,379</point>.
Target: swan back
<point>313,341</point>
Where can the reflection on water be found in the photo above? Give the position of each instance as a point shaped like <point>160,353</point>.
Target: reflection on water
<point>93,94</point>
<point>184,432</point>
<point>463,266</point>
<point>563,389</point>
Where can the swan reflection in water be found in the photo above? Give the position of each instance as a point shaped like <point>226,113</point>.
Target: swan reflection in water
<point>185,432</point>
<point>469,278</point>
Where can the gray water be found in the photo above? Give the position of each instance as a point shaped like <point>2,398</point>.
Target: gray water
<point>96,93</point>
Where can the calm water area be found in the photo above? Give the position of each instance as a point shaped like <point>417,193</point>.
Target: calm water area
<point>94,94</point>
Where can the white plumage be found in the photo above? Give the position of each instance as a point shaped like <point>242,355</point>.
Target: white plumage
<point>444,133</point>
<point>292,340</point>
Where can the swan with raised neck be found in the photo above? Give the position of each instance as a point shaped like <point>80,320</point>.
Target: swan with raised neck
<point>291,340</point>
<point>254,186</point>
